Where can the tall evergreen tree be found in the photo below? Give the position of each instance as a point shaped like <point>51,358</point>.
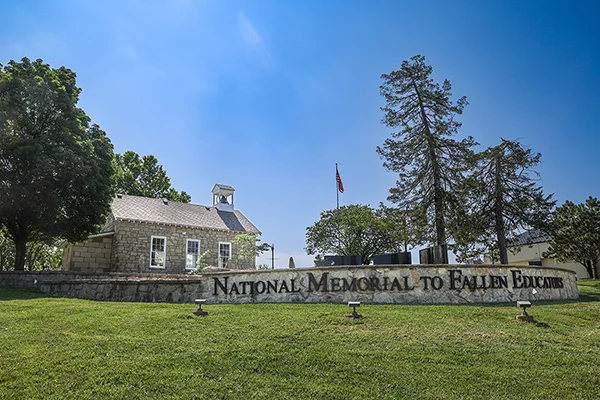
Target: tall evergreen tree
<point>576,235</point>
<point>430,163</point>
<point>504,197</point>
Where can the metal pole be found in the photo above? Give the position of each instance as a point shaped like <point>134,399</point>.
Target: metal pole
<point>337,194</point>
<point>272,255</point>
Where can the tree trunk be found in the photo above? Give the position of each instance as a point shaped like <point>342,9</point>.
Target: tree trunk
<point>501,234</point>
<point>499,211</point>
<point>591,268</point>
<point>20,247</point>
<point>440,223</point>
<point>438,193</point>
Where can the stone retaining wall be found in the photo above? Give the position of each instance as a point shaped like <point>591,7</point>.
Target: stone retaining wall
<point>141,290</point>
<point>414,284</point>
<point>35,278</point>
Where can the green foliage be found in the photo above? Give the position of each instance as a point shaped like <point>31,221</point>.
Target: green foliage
<point>353,230</point>
<point>55,166</point>
<point>502,198</point>
<point>144,177</point>
<point>249,246</point>
<point>200,264</point>
<point>55,348</point>
<point>576,234</point>
<point>406,226</point>
<point>38,255</point>
<point>429,162</point>
<point>7,251</point>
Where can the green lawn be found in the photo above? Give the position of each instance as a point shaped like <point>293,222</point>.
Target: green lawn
<point>54,348</point>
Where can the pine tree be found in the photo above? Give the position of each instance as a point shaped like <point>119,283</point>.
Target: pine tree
<point>576,234</point>
<point>504,198</point>
<point>430,163</point>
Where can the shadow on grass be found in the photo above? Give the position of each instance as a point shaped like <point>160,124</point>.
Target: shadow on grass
<point>587,298</point>
<point>20,293</point>
<point>582,299</point>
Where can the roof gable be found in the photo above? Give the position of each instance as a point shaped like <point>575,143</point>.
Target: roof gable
<point>144,209</point>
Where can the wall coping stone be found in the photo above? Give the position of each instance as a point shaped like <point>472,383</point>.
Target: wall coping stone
<point>393,266</point>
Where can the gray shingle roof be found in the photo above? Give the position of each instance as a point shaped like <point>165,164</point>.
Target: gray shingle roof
<point>136,208</point>
<point>226,187</point>
<point>532,236</point>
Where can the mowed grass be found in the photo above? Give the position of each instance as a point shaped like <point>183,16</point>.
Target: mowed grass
<point>52,348</point>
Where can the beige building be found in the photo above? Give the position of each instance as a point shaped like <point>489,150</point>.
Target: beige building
<point>157,235</point>
<point>529,249</point>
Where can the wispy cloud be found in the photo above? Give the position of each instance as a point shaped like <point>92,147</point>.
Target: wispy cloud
<point>247,30</point>
<point>251,36</point>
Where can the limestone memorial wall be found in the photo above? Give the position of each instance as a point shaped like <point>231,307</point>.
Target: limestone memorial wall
<point>416,284</point>
<point>403,284</point>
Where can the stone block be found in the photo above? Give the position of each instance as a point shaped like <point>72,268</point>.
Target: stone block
<point>176,296</point>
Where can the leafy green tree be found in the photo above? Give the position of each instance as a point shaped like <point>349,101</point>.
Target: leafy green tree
<point>249,246</point>
<point>43,256</point>
<point>576,234</point>
<point>407,226</point>
<point>38,255</point>
<point>504,197</point>
<point>144,177</point>
<point>55,166</point>
<point>430,163</point>
<point>351,230</point>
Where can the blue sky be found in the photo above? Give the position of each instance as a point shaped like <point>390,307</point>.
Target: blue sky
<point>267,96</point>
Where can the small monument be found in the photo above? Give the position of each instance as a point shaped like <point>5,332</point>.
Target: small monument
<point>292,264</point>
<point>434,255</point>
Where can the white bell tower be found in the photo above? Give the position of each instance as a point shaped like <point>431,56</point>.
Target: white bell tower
<point>223,197</point>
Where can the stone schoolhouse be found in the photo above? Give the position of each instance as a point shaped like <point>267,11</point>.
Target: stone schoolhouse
<point>157,235</point>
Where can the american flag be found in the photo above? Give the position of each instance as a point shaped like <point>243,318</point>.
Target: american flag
<point>340,185</point>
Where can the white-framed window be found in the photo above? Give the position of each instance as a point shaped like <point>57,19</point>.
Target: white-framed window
<point>224,254</point>
<point>158,251</point>
<point>192,253</point>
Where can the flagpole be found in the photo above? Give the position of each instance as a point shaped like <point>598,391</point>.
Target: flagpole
<point>337,195</point>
